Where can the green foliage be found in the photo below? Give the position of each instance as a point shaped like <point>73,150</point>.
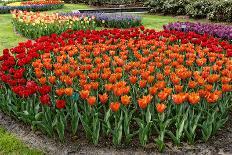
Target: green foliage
<point>178,122</point>
<point>105,2</point>
<point>199,8</point>
<point>172,7</point>
<point>156,6</point>
<point>215,10</point>
<point>175,7</point>
<point>222,11</point>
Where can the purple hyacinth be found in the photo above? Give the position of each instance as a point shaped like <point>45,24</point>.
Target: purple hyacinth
<point>110,19</point>
<point>217,30</point>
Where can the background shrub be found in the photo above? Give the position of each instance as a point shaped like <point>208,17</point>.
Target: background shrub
<point>221,11</point>
<point>175,7</point>
<point>34,8</point>
<point>156,6</point>
<point>106,2</point>
<point>215,10</point>
<point>199,8</point>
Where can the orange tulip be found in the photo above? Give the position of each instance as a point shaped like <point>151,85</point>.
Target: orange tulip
<point>168,90</point>
<point>108,87</point>
<point>142,83</point>
<point>58,72</point>
<point>192,84</point>
<point>175,80</point>
<point>160,85</point>
<point>202,92</point>
<point>48,66</point>
<point>91,100</point>
<point>153,90</point>
<point>42,80</point>
<point>105,76</point>
<point>208,87</point>
<point>178,88</point>
<point>159,76</point>
<point>200,81</point>
<point>193,98</point>
<point>213,78</point>
<point>103,98</point>
<point>163,95</point>
<point>84,94</point>
<point>68,81</point>
<point>126,89</point>
<point>125,99</point>
<point>226,88</point>
<point>60,92</point>
<point>113,78</point>
<point>133,79</point>
<point>150,79</point>
<point>114,106</point>
<point>118,91</point>
<point>225,79</point>
<point>52,79</point>
<point>212,97</point>
<point>178,98</point>
<point>94,85</point>
<point>142,103</point>
<point>118,70</point>
<point>160,107</point>
<point>38,73</point>
<point>68,91</point>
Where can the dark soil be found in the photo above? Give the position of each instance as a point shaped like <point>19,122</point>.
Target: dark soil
<point>221,143</point>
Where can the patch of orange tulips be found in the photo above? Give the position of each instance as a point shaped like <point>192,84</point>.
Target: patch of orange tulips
<point>131,82</point>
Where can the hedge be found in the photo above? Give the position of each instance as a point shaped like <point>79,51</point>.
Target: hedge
<point>215,10</point>
<point>34,8</point>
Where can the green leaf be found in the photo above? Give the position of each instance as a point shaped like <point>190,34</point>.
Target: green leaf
<point>74,119</point>
<point>39,115</point>
<point>148,115</point>
<point>86,127</point>
<point>139,122</point>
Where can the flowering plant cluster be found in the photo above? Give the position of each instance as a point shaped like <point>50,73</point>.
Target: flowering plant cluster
<point>23,3</point>
<point>120,85</point>
<point>32,6</point>
<point>217,30</point>
<point>35,24</point>
<point>42,2</point>
<point>111,20</point>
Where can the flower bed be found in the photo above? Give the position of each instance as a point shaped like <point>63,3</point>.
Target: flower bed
<point>217,30</point>
<point>24,3</point>
<point>32,6</point>
<point>33,25</point>
<point>120,85</point>
<point>111,20</point>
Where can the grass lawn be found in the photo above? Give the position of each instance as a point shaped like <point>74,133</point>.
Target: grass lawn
<point>9,144</point>
<point>157,21</point>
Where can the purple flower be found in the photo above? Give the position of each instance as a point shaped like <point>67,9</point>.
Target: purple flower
<point>113,20</point>
<point>217,30</point>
